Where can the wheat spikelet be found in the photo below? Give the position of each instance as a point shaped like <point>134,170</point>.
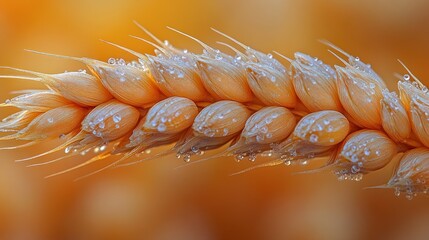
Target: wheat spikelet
<point>250,103</point>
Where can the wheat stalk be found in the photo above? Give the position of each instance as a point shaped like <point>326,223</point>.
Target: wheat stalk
<point>249,102</point>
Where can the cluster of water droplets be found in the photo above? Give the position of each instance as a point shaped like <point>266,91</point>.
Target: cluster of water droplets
<point>207,128</point>
<point>186,156</point>
<point>313,69</point>
<point>356,154</point>
<point>392,99</point>
<point>343,175</point>
<point>251,156</point>
<point>408,187</point>
<point>260,130</point>
<point>366,68</point>
<point>97,126</point>
<point>174,67</point>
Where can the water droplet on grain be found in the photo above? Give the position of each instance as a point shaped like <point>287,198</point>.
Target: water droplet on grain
<point>117,118</point>
<point>121,62</point>
<point>194,149</point>
<point>161,127</point>
<point>406,77</point>
<point>67,149</point>
<point>187,158</point>
<point>239,157</point>
<point>111,61</point>
<point>313,138</point>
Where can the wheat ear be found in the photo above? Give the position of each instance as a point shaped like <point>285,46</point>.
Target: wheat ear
<point>248,103</point>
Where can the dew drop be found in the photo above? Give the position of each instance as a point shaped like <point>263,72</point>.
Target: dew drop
<point>225,131</point>
<point>187,158</point>
<point>161,127</point>
<point>239,157</point>
<point>406,77</point>
<point>358,177</point>
<point>111,61</point>
<point>313,138</point>
<point>366,151</point>
<point>397,192</point>
<point>50,120</point>
<point>354,158</point>
<point>194,149</point>
<point>409,196</point>
<point>67,149</point>
<point>355,169</point>
<point>117,118</point>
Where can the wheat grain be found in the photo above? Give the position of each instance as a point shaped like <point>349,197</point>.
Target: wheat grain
<point>249,101</point>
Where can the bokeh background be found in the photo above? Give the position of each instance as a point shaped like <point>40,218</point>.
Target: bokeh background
<point>155,201</point>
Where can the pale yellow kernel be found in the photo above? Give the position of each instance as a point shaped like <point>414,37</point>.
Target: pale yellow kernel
<point>220,119</point>
<point>128,84</point>
<point>111,120</point>
<point>360,95</point>
<point>271,86</point>
<point>315,83</point>
<point>178,78</point>
<point>368,150</point>
<point>419,116</point>
<point>78,87</point>
<point>53,123</point>
<point>268,125</point>
<point>18,120</point>
<point>411,174</point>
<point>171,115</point>
<point>38,101</point>
<point>323,128</point>
<point>395,120</point>
<point>223,80</point>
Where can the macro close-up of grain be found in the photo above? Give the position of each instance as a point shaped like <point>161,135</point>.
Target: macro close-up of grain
<point>214,119</point>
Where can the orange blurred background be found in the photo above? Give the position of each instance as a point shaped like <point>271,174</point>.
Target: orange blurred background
<point>155,201</point>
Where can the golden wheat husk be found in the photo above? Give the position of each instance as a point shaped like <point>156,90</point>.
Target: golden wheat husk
<point>248,102</point>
